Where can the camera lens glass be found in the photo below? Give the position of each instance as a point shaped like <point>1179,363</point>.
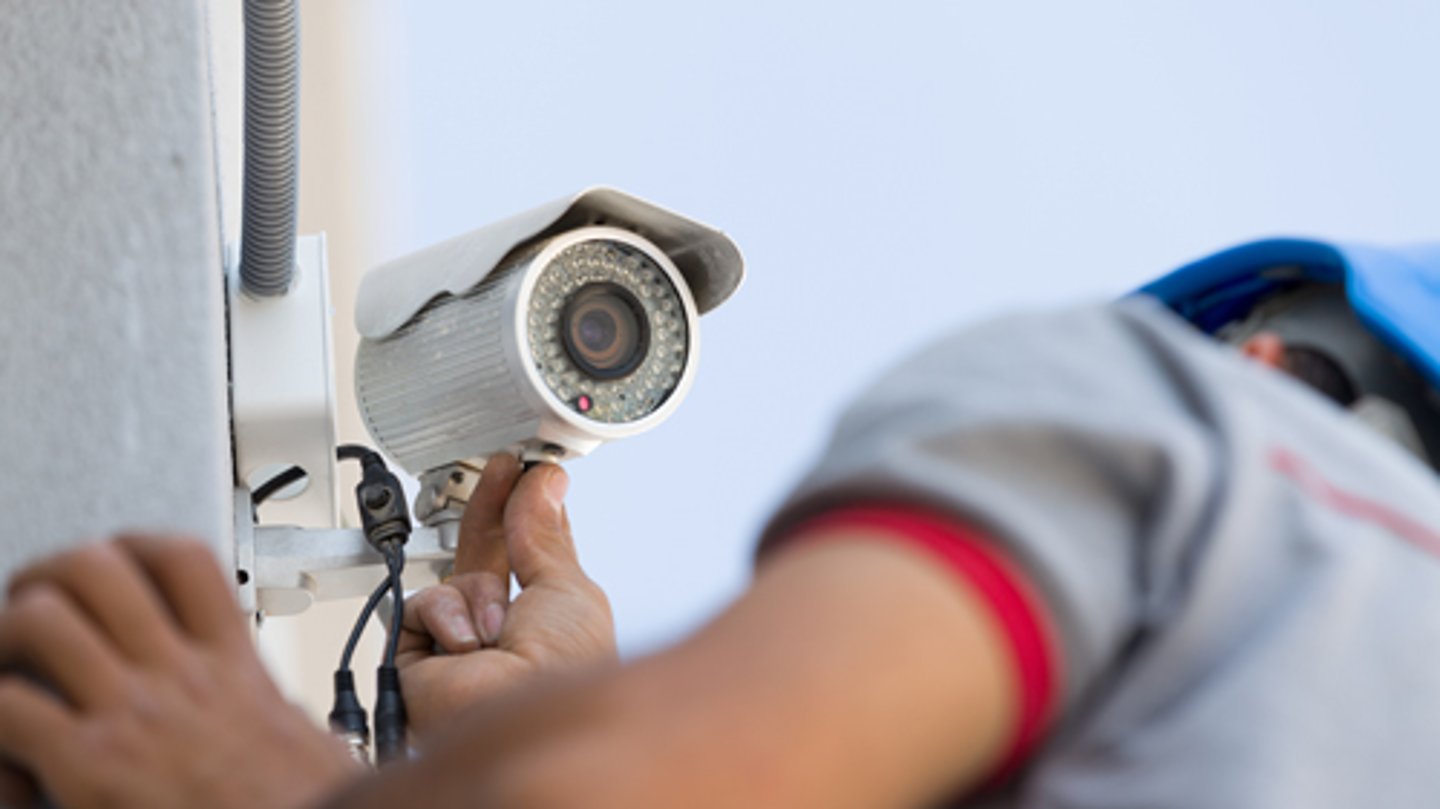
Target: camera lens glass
<point>609,332</point>
<point>605,330</point>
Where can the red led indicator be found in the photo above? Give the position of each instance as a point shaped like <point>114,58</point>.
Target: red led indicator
<point>583,403</point>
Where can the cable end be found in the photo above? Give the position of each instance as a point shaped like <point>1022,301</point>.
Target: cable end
<point>390,743</point>
<point>347,718</point>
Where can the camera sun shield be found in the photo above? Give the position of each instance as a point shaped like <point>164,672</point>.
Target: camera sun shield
<point>392,294</point>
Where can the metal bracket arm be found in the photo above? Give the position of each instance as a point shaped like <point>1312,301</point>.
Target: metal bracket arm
<point>296,567</point>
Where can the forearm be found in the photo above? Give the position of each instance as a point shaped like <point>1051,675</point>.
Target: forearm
<point>851,674</point>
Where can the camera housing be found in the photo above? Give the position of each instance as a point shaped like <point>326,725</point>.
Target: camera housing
<point>546,334</point>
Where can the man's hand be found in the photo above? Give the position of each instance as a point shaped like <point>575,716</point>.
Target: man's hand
<point>465,641</point>
<point>130,681</point>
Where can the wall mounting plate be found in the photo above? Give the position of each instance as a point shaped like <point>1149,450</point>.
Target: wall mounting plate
<point>283,389</point>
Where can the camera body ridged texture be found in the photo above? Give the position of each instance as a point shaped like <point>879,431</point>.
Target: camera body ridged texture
<point>444,387</point>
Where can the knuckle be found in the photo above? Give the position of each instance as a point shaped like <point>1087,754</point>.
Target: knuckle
<point>36,603</point>
<point>431,600</point>
<point>492,535</point>
<point>78,563</point>
<point>444,592</point>
<point>43,571</point>
<point>189,553</point>
<point>101,556</point>
<point>475,588</point>
<point>198,680</point>
<point>100,740</point>
<point>137,695</point>
<point>111,751</point>
<point>150,541</point>
<point>425,613</point>
<point>166,550</point>
<point>594,593</point>
<point>419,605</point>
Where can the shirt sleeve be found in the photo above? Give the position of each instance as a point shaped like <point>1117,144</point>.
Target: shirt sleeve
<point>1072,443</point>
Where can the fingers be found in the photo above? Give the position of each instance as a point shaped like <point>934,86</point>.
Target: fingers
<point>460,615</point>
<point>16,787</point>
<point>113,592</point>
<point>42,631</point>
<point>189,579</point>
<point>34,727</point>
<point>486,597</point>
<point>482,531</point>
<point>441,614</point>
<point>538,533</point>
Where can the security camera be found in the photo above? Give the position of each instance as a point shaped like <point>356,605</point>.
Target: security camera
<point>545,334</point>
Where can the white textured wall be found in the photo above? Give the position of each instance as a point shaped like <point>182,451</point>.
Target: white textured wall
<point>113,411</point>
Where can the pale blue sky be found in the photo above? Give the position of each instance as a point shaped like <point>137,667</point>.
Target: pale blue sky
<point>891,171</point>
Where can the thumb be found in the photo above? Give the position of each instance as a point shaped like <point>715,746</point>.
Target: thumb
<point>537,532</point>
<point>482,528</point>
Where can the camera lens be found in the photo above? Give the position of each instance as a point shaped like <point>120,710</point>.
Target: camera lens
<point>609,330</point>
<point>605,330</point>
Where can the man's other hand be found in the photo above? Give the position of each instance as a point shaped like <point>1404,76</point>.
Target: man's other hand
<point>130,681</point>
<point>465,641</point>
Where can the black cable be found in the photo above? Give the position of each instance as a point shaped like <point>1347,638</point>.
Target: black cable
<point>361,622</point>
<point>344,452</point>
<point>386,524</point>
<point>365,455</point>
<point>396,561</point>
<point>390,717</point>
<point>268,489</point>
<point>356,452</point>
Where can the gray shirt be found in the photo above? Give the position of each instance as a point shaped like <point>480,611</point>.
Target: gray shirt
<point>1245,580</point>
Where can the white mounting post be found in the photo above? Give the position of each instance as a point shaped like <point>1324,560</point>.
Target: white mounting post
<point>284,389</point>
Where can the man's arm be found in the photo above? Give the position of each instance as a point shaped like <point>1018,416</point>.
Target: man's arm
<point>855,672</point>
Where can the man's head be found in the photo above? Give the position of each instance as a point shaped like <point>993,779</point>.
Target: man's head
<point>1357,323</point>
<point>1312,333</point>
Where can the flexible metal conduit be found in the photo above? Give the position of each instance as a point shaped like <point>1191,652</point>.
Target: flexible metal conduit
<point>272,117</point>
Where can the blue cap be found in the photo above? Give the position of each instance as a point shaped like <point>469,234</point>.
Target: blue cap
<point>1395,291</point>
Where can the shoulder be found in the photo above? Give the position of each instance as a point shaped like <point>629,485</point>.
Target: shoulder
<point>1078,363</point>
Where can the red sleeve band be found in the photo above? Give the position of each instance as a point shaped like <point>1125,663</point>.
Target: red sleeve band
<point>1012,600</point>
